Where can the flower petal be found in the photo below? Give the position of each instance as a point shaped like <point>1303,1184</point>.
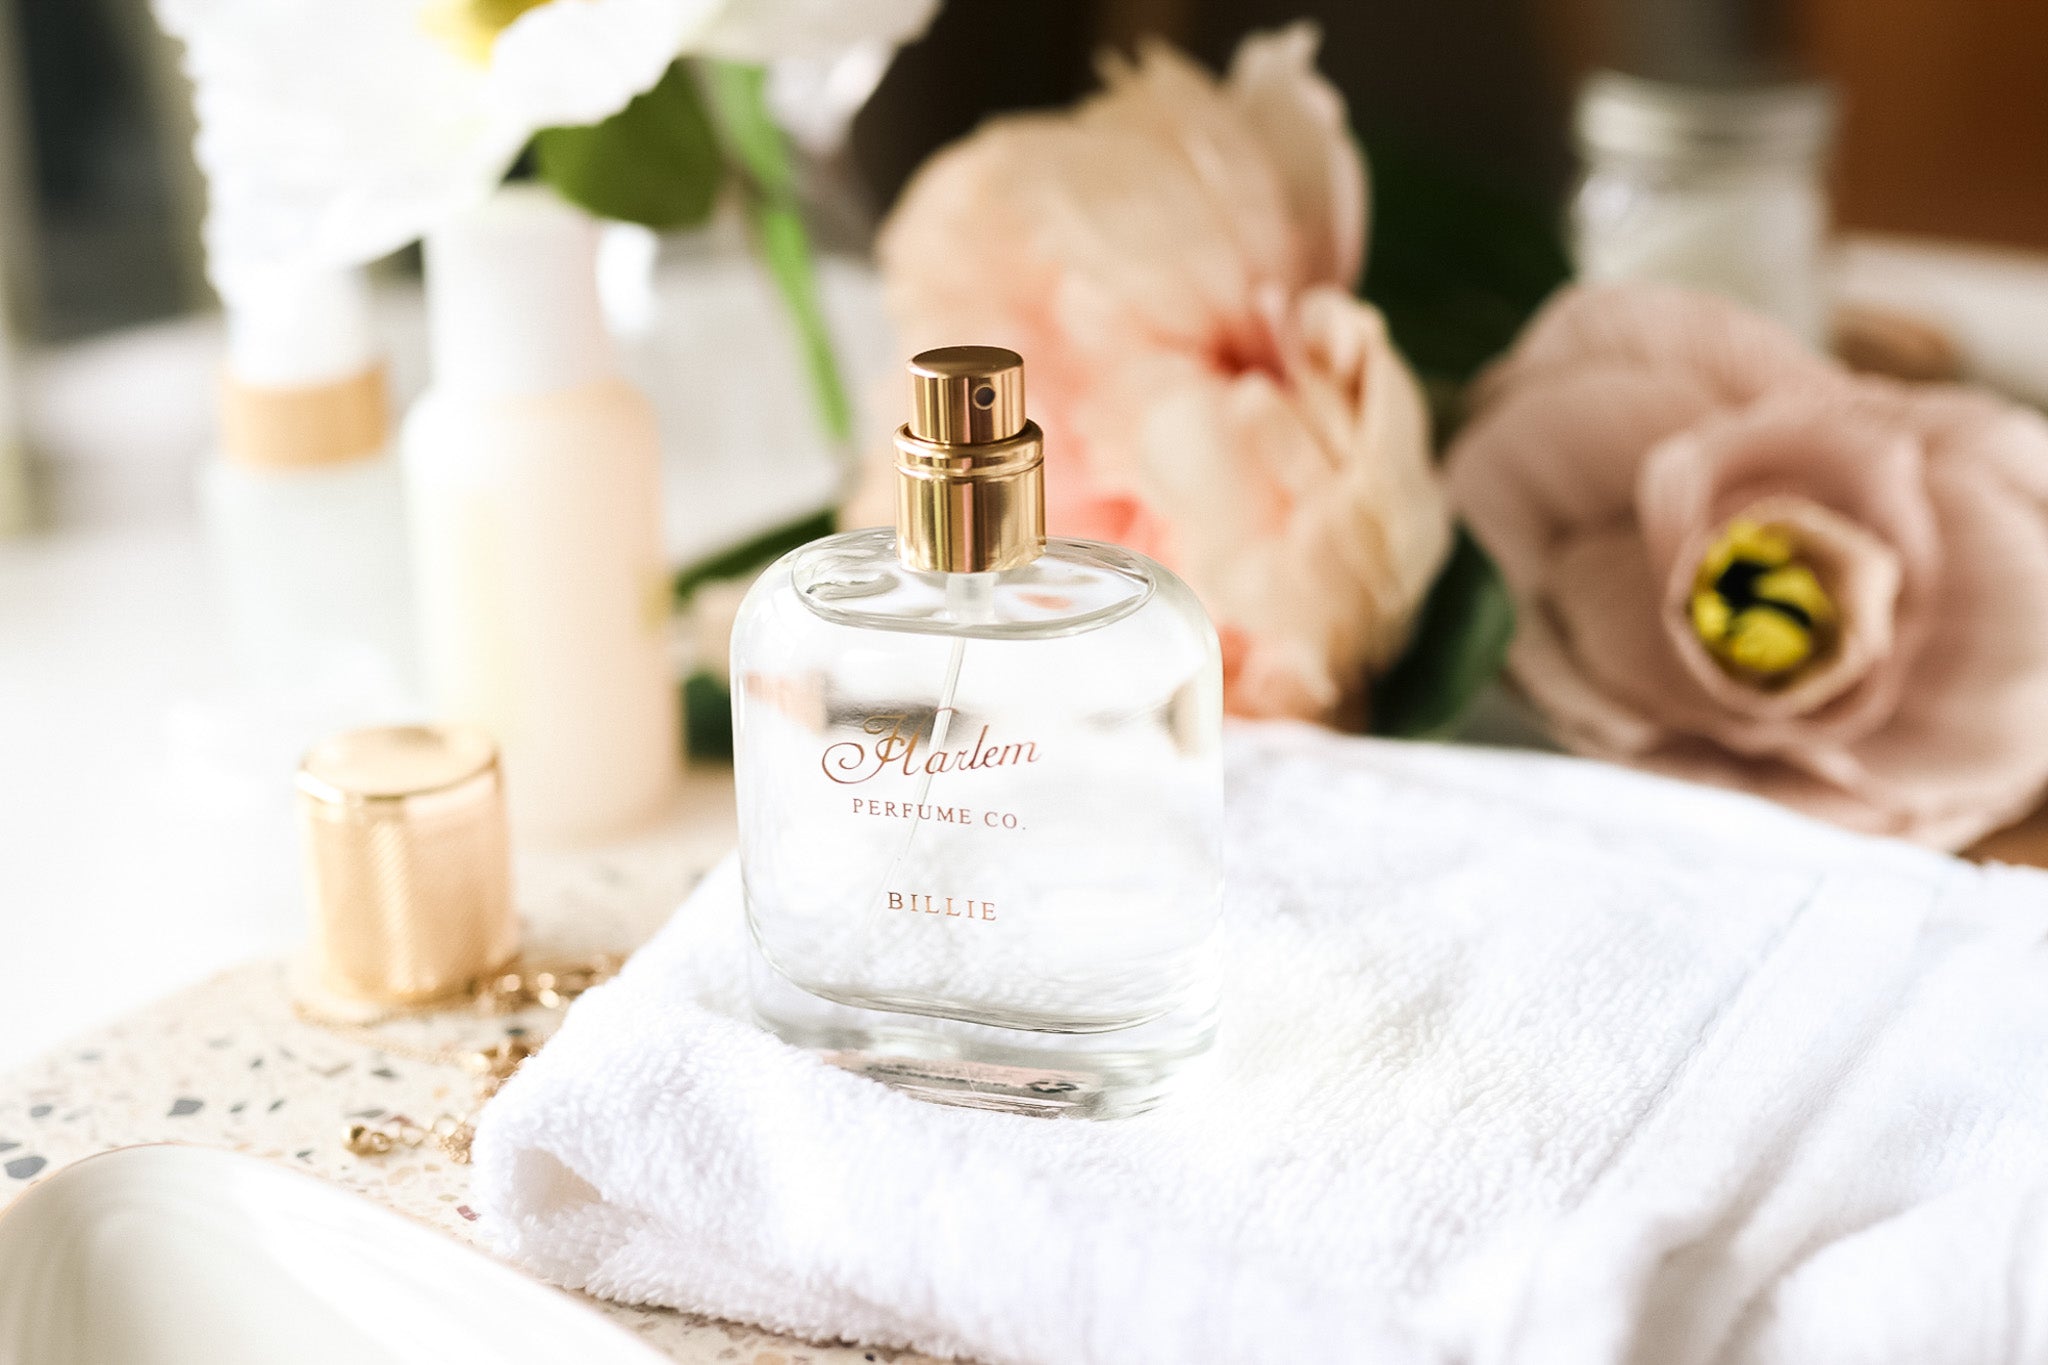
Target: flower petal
<point>1581,717</point>
<point>1966,751</point>
<point>1300,118</point>
<point>572,62</point>
<point>1604,606</point>
<point>1538,463</point>
<point>1832,449</point>
<point>331,131</point>
<point>1736,355</point>
<point>1207,154</point>
<point>1923,511</point>
<point>1842,462</point>
<point>1165,258</point>
<point>770,30</point>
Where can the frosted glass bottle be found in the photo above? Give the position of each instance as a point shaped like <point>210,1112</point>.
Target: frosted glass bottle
<point>302,502</point>
<point>980,812</point>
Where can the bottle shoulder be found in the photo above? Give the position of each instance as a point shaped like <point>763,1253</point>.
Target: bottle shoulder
<point>605,419</point>
<point>855,579</point>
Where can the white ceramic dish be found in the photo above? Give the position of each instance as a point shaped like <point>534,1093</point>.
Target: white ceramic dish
<point>193,1256</point>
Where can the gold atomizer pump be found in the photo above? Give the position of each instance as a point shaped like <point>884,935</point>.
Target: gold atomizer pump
<point>970,468</point>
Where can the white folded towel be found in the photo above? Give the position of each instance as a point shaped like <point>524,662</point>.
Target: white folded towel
<point>1523,1059</point>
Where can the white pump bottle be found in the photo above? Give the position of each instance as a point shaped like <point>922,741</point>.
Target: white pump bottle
<point>533,477</point>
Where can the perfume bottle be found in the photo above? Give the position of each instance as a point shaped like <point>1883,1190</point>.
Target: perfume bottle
<point>980,783</point>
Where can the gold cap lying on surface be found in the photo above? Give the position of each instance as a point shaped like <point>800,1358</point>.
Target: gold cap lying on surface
<point>408,865</point>
<point>970,487</point>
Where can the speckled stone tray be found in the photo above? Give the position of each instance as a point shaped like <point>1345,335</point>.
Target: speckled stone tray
<point>229,1064</point>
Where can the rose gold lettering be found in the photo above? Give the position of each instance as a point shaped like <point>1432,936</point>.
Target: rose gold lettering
<point>893,745</point>
<point>845,761</point>
<point>950,907</point>
<point>896,739</point>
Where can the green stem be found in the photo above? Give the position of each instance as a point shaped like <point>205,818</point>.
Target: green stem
<point>737,94</point>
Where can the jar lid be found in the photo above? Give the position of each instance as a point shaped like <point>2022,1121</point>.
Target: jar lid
<point>1778,122</point>
<point>391,764</point>
<point>408,866</point>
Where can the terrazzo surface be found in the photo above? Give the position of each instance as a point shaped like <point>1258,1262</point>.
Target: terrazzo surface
<point>230,1064</point>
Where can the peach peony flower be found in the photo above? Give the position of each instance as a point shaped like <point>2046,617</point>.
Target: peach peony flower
<point>1174,261</point>
<point>1737,563</point>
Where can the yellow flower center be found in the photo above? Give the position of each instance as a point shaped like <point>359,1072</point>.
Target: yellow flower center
<point>1757,606</point>
<point>472,27</point>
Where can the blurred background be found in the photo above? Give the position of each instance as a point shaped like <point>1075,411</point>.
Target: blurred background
<point>1942,128</point>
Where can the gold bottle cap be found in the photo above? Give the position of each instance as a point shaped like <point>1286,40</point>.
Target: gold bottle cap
<point>970,490</point>
<point>408,866</point>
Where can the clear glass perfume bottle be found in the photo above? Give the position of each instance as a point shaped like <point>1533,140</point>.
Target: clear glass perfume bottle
<point>980,783</point>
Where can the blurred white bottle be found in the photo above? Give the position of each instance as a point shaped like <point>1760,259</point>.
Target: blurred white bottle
<point>16,494</point>
<point>303,501</point>
<point>533,477</point>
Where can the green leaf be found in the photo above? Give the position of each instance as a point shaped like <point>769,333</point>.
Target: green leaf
<point>706,700</point>
<point>757,553</point>
<point>756,143</point>
<point>1456,265</point>
<point>739,92</point>
<point>656,161</point>
<point>707,717</point>
<point>779,231</point>
<point>1461,639</point>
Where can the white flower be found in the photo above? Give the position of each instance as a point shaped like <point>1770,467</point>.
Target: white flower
<point>334,131</point>
<point>771,30</point>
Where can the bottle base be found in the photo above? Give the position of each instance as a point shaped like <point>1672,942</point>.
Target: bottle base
<point>979,1066</point>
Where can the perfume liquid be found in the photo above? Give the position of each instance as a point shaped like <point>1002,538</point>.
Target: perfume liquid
<point>980,786</point>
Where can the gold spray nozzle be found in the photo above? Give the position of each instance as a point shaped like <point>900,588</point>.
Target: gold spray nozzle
<point>966,394</point>
<point>970,492</point>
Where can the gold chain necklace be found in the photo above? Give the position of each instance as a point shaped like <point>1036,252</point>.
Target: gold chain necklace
<point>548,987</point>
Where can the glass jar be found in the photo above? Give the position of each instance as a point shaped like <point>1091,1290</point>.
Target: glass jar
<point>1714,188</point>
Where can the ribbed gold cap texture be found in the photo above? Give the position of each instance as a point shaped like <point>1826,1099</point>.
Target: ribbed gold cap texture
<point>408,864</point>
<point>970,467</point>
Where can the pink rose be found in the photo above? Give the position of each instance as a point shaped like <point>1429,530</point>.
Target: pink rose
<point>1736,562</point>
<point>1173,259</point>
